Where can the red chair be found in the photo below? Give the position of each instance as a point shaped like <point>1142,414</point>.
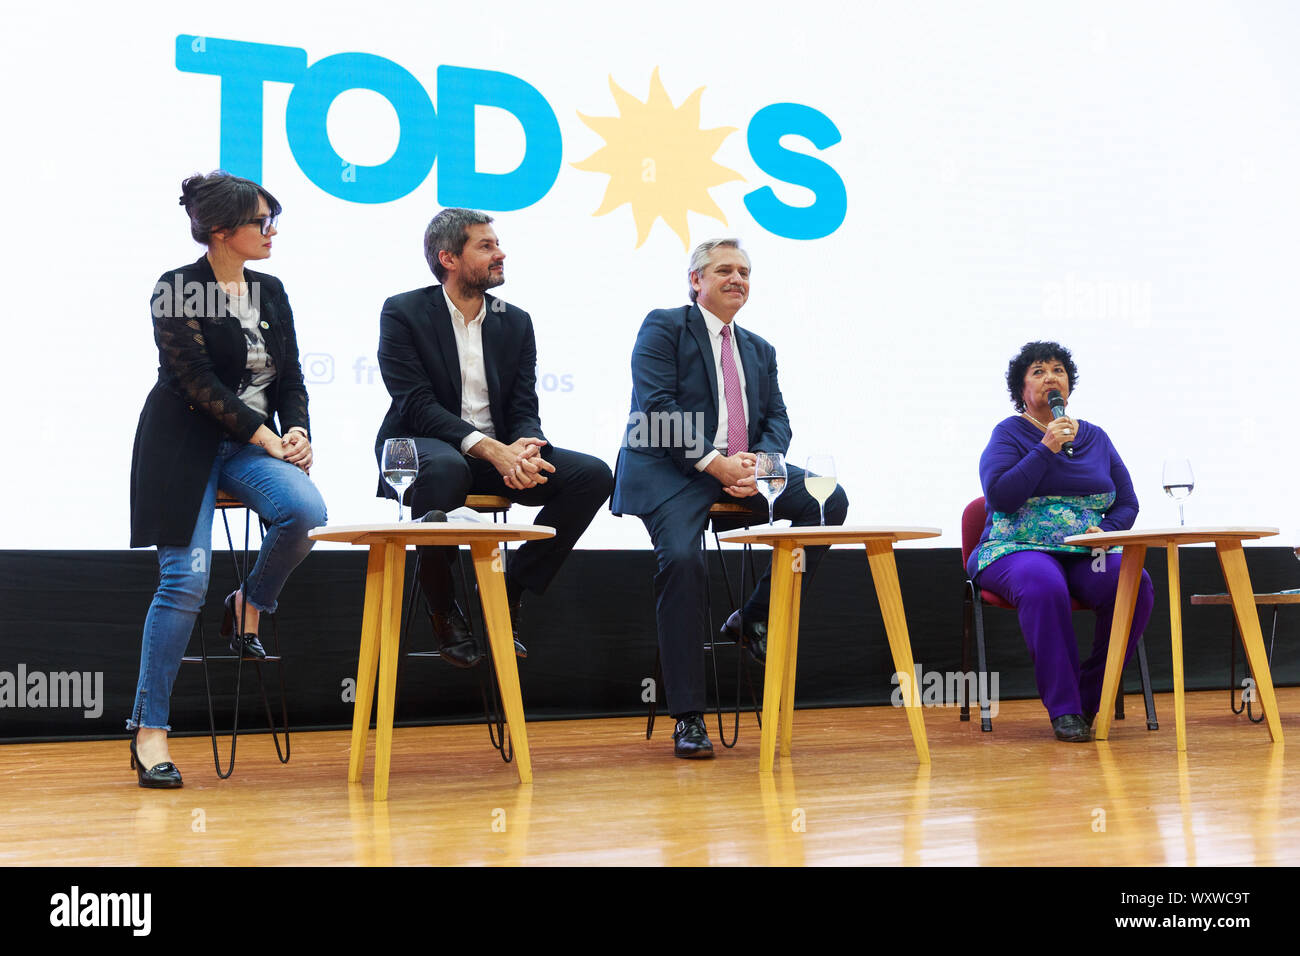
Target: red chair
<point>972,526</point>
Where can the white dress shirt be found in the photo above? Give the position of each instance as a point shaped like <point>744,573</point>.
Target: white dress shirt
<point>474,398</point>
<point>715,325</point>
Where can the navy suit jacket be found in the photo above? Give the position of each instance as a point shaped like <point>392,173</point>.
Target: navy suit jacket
<point>674,388</point>
<point>420,363</point>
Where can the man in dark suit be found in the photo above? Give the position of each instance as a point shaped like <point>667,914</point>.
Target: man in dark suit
<point>461,367</point>
<point>705,399</point>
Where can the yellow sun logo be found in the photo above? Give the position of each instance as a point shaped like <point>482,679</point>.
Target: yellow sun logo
<point>658,159</point>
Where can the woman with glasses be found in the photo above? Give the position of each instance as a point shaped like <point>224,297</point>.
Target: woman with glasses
<point>228,413</point>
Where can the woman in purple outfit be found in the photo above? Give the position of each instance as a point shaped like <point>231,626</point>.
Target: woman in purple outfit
<point>1044,480</point>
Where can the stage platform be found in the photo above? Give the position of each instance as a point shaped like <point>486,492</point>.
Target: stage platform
<point>852,793</point>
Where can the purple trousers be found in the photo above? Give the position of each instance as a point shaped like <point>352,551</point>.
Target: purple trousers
<point>1040,585</point>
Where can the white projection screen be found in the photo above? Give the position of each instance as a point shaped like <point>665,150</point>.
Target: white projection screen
<point>923,187</point>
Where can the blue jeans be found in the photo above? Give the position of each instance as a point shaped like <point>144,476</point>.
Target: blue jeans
<point>282,495</point>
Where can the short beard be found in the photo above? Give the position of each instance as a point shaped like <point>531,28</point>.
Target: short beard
<point>481,285</point>
<point>489,281</point>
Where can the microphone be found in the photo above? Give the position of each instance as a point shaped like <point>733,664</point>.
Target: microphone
<point>1057,404</point>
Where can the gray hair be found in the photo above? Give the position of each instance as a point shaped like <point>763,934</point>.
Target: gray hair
<point>703,255</point>
<point>448,232</point>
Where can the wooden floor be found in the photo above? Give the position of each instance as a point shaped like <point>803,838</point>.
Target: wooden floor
<point>851,794</point>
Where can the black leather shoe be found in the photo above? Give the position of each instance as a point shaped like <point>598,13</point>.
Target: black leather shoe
<point>455,642</point>
<point>516,613</point>
<point>691,740</point>
<point>245,646</point>
<point>1071,728</point>
<point>161,776</point>
<point>1089,718</point>
<point>751,635</point>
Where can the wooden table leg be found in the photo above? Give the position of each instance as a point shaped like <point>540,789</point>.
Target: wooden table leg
<point>1232,559</point>
<point>390,632</point>
<point>1130,575</point>
<point>1176,644</point>
<point>496,614</point>
<point>367,661</point>
<point>792,653</point>
<point>884,571</point>
<point>778,626</point>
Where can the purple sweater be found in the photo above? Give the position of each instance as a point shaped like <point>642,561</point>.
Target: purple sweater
<point>1016,466</point>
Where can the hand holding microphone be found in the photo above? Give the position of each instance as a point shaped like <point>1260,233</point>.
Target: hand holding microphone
<point>1063,428</point>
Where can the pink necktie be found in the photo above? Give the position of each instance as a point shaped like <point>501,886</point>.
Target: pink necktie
<point>737,433</point>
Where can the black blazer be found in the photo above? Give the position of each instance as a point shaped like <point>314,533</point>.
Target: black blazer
<point>673,374</point>
<point>420,363</point>
<point>202,354</point>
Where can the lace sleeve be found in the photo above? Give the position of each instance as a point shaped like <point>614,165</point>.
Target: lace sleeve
<point>183,355</point>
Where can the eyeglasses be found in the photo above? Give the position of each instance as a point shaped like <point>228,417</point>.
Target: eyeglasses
<point>264,223</point>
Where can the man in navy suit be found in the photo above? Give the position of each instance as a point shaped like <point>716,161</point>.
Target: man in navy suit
<point>705,398</point>
<point>461,367</point>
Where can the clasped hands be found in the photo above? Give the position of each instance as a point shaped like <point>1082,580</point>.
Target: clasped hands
<point>735,473</point>
<point>520,464</point>
<point>294,447</point>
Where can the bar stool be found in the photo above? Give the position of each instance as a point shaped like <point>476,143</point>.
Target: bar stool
<point>243,562</point>
<point>493,713</point>
<point>1273,600</point>
<point>723,516</point>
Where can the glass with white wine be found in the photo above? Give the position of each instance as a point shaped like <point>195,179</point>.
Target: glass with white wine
<point>769,474</point>
<point>819,480</point>
<point>1178,482</point>
<point>400,464</point>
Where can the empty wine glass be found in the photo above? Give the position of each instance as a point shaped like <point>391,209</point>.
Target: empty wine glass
<point>400,465</point>
<point>769,472</point>
<point>1178,482</point>
<point>819,480</point>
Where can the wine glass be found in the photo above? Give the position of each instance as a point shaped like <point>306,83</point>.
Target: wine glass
<point>769,474</point>
<point>400,465</point>
<point>1178,482</point>
<point>819,480</point>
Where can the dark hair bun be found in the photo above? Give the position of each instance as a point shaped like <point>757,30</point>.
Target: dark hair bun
<point>220,201</point>
<point>190,188</point>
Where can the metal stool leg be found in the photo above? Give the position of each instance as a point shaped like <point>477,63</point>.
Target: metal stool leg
<point>1232,670</point>
<point>1148,697</point>
<point>493,711</point>
<point>654,697</point>
<point>1272,636</point>
<point>982,688</point>
<point>967,626</point>
<point>741,654</point>
<point>242,562</point>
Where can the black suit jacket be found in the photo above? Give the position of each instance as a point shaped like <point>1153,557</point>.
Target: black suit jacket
<point>673,374</point>
<point>202,354</point>
<point>420,363</point>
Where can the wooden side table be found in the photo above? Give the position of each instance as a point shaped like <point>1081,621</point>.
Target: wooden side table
<point>381,625</point>
<point>1232,559</point>
<point>783,619</point>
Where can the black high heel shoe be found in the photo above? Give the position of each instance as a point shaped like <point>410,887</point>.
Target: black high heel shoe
<point>161,776</point>
<point>246,646</point>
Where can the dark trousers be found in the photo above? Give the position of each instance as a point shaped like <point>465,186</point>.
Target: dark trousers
<point>682,579</point>
<point>572,495</point>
